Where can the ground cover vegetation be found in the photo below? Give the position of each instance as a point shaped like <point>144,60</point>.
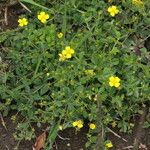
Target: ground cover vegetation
<point>77,62</point>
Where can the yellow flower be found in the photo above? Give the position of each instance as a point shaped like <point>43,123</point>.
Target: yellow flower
<point>113,10</point>
<point>43,17</point>
<point>137,2</point>
<point>75,123</point>
<point>92,126</point>
<point>60,35</point>
<point>113,124</point>
<point>90,72</point>
<point>114,81</point>
<point>62,57</point>
<point>66,54</point>
<point>109,145</point>
<point>23,22</point>
<point>13,118</point>
<point>78,124</point>
<point>68,51</point>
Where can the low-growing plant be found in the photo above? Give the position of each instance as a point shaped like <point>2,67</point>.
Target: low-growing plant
<point>61,61</point>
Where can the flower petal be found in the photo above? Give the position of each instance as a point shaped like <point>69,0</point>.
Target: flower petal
<point>117,84</point>
<point>111,84</point>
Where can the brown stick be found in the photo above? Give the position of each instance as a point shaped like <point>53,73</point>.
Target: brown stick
<point>140,130</point>
<point>117,135</point>
<point>128,147</point>
<point>3,122</point>
<point>6,15</point>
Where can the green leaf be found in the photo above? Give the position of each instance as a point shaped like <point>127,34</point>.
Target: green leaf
<point>44,89</point>
<point>53,134</point>
<point>114,51</point>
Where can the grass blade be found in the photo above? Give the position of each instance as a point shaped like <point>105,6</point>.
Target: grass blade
<point>33,3</point>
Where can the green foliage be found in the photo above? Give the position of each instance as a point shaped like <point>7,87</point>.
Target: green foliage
<point>33,3</point>
<point>46,90</point>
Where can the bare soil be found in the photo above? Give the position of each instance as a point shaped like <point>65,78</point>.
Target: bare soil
<point>8,19</point>
<point>69,139</point>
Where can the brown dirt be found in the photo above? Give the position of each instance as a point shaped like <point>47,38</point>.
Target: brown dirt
<point>12,16</point>
<point>7,141</point>
<point>76,140</point>
<point>119,144</point>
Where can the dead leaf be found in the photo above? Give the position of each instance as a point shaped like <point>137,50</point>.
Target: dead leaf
<point>40,141</point>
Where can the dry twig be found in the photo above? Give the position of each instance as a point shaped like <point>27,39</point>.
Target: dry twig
<point>3,122</point>
<point>6,15</point>
<point>128,147</point>
<point>63,138</point>
<point>116,134</point>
